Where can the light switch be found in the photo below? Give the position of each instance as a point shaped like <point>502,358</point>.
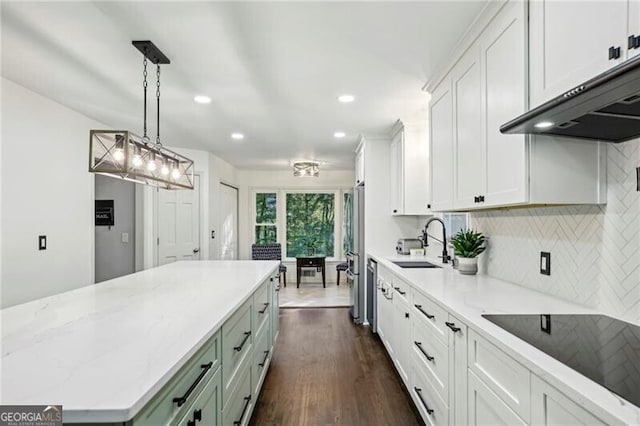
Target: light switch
<point>42,242</point>
<point>125,237</point>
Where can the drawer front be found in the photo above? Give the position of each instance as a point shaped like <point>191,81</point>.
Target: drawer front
<point>261,359</point>
<point>175,397</point>
<point>502,374</point>
<point>310,262</point>
<point>241,401</point>
<point>400,288</point>
<point>237,341</point>
<point>432,408</point>
<point>432,315</point>
<point>486,408</point>
<point>433,357</point>
<point>261,305</point>
<point>207,408</point>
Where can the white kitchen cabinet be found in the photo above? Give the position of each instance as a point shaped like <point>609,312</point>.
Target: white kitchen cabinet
<point>402,334</point>
<point>469,153</point>
<point>560,58</point>
<point>409,169</point>
<point>492,169</point>
<point>550,407</point>
<point>359,164</point>
<point>207,408</point>
<point>486,408</point>
<point>506,377</point>
<point>275,307</point>
<point>441,146</point>
<point>385,313</point>
<point>432,407</point>
<point>633,23</point>
<point>458,371</point>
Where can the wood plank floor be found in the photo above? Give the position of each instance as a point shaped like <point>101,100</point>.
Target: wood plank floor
<point>328,371</point>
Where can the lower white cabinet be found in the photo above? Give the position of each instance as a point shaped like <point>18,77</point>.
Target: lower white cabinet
<point>507,378</point>
<point>241,401</point>
<point>486,408</point>
<point>402,335</point>
<point>458,340</point>
<point>433,409</point>
<point>550,407</point>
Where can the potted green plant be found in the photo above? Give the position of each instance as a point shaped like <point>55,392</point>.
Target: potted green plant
<point>468,245</point>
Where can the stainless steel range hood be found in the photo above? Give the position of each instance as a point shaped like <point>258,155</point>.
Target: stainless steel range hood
<point>605,108</point>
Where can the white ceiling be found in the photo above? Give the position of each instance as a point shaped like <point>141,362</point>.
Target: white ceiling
<point>272,69</point>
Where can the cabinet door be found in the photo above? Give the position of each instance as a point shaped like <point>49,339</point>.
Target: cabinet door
<point>275,308</point>
<point>550,407</point>
<point>441,142</point>
<point>633,26</point>
<point>561,58</point>
<point>469,169</point>
<point>360,166</point>
<point>485,408</point>
<point>397,174</point>
<point>503,59</point>
<point>458,372</point>
<point>207,408</point>
<point>402,338</point>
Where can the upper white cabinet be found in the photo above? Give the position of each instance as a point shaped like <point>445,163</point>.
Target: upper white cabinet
<point>409,169</point>
<point>441,143</point>
<point>571,42</point>
<point>360,164</point>
<point>474,166</point>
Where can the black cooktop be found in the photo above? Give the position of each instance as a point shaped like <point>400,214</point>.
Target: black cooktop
<point>604,349</point>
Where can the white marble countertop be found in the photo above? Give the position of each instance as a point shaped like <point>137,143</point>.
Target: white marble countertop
<point>468,297</point>
<point>105,350</point>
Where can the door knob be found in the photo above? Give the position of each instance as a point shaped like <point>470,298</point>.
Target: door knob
<point>196,250</point>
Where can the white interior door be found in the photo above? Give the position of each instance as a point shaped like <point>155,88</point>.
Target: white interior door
<point>228,226</point>
<point>179,224</point>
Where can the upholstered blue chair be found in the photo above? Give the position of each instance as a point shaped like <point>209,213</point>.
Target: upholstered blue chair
<point>270,252</point>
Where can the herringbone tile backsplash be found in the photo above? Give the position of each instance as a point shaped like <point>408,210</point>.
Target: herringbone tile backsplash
<point>595,250</point>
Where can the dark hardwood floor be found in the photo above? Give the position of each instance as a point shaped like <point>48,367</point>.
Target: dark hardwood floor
<point>328,371</point>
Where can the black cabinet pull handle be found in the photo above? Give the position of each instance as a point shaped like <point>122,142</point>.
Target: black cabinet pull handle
<point>482,198</point>
<point>426,314</point>
<point>247,399</point>
<point>406,314</point>
<point>266,355</point>
<point>182,399</point>
<point>191,423</point>
<point>400,291</point>
<point>631,42</point>
<point>476,199</point>
<point>452,326</point>
<point>266,305</point>
<point>426,407</point>
<point>395,211</point>
<point>614,52</point>
<point>246,336</point>
<point>419,345</point>
<point>197,415</point>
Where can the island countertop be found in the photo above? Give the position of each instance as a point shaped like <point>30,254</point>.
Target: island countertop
<point>103,351</point>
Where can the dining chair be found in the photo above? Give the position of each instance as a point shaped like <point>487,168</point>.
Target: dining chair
<point>270,252</point>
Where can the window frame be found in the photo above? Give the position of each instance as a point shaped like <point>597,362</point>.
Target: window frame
<point>281,216</point>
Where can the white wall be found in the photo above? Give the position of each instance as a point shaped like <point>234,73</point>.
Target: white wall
<point>595,250</point>
<point>113,257</point>
<point>46,190</point>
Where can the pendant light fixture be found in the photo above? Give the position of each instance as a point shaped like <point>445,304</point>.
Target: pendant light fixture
<point>125,155</point>
<point>306,169</point>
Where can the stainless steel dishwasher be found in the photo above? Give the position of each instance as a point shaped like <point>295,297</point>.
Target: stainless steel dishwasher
<point>372,294</point>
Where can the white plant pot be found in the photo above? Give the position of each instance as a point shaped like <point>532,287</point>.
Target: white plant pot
<point>468,265</point>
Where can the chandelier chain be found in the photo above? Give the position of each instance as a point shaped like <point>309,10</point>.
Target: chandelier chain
<point>144,86</point>
<point>158,101</point>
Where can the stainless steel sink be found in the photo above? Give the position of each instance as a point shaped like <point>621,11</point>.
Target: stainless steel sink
<point>414,264</point>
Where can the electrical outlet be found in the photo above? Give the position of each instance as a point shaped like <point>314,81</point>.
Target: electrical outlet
<point>545,323</point>
<point>545,263</point>
<point>42,242</point>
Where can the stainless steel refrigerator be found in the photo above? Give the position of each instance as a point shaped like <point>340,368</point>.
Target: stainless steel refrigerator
<point>356,271</point>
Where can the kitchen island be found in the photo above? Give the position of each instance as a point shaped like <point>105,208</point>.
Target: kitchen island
<point>461,368</point>
<point>106,351</point>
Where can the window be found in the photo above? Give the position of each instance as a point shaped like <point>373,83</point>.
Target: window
<point>266,228</point>
<point>310,224</point>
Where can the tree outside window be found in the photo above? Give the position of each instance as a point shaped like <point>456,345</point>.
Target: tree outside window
<point>266,230</point>
<point>310,224</point>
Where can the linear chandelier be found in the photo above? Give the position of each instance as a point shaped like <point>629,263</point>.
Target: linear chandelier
<point>123,154</point>
<point>306,169</point>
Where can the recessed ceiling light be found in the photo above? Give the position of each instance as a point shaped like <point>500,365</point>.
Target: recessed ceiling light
<point>339,134</point>
<point>237,136</point>
<point>202,99</point>
<point>346,98</point>
<point>543,125</point>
